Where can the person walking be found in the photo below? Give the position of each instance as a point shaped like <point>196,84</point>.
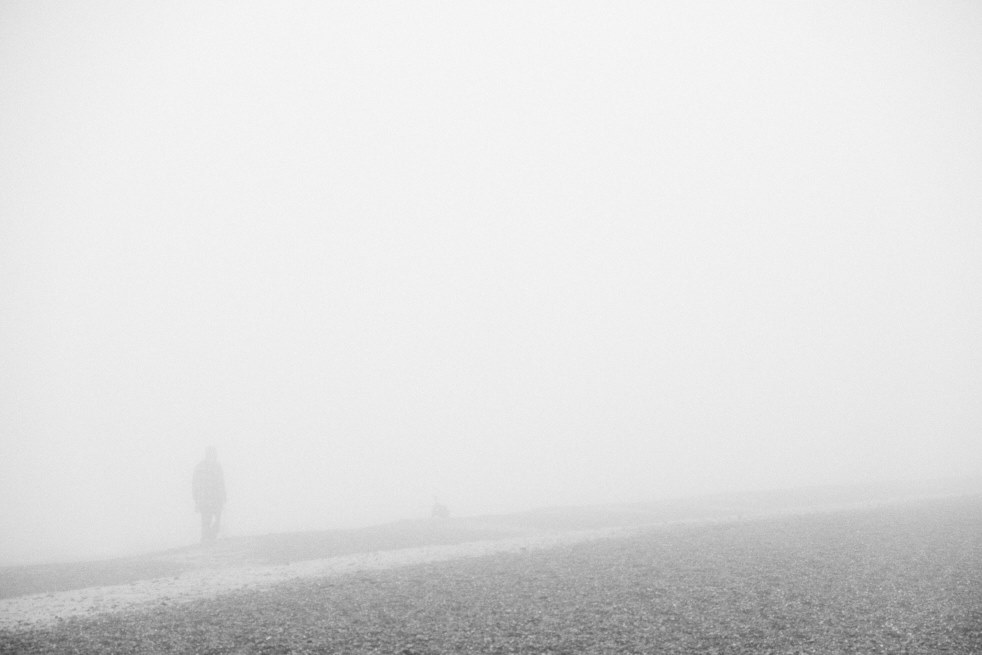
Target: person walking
<point>208,491</point>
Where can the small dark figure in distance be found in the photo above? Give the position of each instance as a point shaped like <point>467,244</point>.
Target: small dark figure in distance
<point>440,511</point>
<point>208,491</point>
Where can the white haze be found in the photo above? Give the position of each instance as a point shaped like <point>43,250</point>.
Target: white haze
<point>511,254</point>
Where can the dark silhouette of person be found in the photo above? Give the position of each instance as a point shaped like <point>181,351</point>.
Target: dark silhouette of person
<point>208,491</point>
<point>439,511</point>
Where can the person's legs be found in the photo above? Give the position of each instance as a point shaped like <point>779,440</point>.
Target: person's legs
<point>217,516</point>
<point>205,525</point>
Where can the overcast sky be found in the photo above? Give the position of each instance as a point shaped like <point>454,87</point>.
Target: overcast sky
<point>513,254</point>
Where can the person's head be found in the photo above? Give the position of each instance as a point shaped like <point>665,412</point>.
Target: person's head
<point>210,454</point>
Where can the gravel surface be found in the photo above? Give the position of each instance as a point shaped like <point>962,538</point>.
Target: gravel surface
<point>901,579</point>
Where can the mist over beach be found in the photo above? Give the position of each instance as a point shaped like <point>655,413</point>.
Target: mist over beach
<point>502,255</point>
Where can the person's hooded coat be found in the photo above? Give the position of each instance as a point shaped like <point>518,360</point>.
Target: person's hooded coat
<point>208,485</point>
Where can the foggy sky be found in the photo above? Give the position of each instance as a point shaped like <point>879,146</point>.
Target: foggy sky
<point>513,254</point>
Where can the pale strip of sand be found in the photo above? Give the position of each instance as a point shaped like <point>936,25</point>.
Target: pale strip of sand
<point>32,611</point>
